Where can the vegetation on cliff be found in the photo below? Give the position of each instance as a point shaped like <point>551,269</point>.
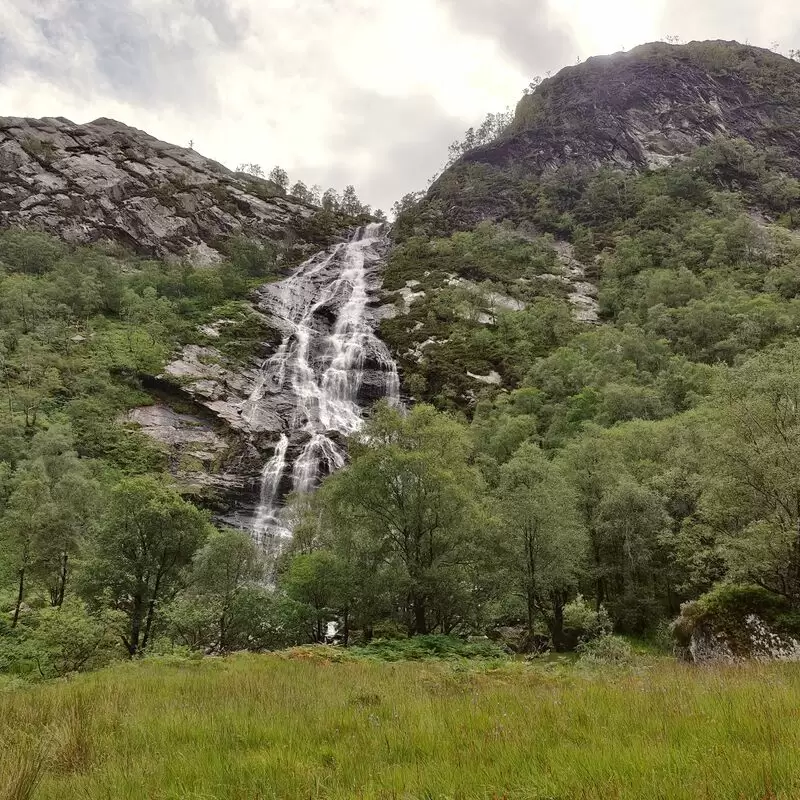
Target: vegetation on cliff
<point>638,460</point>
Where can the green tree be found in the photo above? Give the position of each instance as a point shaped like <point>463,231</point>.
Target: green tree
<point>631,522</point>
<point>411,492</point>
<point>37,377</point>
<point>30,517</point>
<point>752,494</point>
<point>331,201</point>
<point>75,498</point>
<point>315,580</point>
<point>543,545</point>
<point>350,204</point>
<point>280,178</point>
<point>224,569</point>
<point>302,192</point>
<point>140,552</point>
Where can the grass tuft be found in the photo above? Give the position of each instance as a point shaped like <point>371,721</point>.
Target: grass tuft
<point>21,772</point>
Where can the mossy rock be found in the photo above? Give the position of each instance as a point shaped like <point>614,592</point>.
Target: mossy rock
<point>736,618</point>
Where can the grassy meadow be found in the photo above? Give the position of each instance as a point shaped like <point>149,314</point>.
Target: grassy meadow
<point>299,726</point>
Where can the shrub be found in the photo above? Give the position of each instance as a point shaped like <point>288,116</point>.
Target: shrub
<point>253,258</point>
<point>57,641</point>
<point>389,629</point>
<point>431,647</point>
<point>605,650</point>
<point>583,623</point>
<point>30,251</point>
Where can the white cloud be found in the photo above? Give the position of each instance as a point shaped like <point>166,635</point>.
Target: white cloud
<point>612,25</point>
<point>759,22</point>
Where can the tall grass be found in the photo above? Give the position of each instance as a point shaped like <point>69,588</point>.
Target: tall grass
<point>254,727</point>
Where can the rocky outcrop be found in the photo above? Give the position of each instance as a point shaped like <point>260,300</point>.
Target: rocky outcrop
<point>735,623</point>
<point>646,107</point>
<point>108,181</point>
<point>582,292</point>
<point>755,640</point>
<point>221,387</point>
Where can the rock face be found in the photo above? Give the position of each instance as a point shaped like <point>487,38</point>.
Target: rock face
<point>223,388</point>
<point>658,102</point>
<point>636,110</point>
<point>582,293</point>
<point>735,623</point>
<point>108,181</point>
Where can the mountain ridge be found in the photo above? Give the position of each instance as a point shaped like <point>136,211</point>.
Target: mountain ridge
<point>106,180</point>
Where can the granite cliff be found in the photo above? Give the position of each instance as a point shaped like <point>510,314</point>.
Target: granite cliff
<point>108,181</point>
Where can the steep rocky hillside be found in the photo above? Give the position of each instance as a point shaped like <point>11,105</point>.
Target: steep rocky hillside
<point>108,181</point>
<point>636,110</point>
<point>104,229</point>
<point>605,300</point>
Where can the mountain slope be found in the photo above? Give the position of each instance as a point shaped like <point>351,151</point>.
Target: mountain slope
<point>637,110</point>
<point>106,180</point>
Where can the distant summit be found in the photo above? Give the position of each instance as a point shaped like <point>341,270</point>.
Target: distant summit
<point>635,110</point>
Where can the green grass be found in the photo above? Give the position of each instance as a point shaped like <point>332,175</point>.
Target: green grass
<point>298,726</point>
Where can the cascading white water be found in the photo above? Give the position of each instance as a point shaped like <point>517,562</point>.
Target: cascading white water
<point>329,345</point>
<point>270,484</point>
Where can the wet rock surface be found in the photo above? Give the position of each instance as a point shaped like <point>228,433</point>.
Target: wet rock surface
<point>280,423</point>
<point>328,367</point>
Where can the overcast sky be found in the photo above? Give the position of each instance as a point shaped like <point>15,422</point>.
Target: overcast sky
<point>368,92</point>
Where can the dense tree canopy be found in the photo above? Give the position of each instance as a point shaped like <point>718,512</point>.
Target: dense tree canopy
<point>550,476</point>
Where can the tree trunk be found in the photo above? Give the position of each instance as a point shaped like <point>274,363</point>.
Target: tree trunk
<point>420,618</point>
<point>531,612</point>
<point>20,597</point>
<point>223,630</point>
<point>151,611</point>
<point>62,581</point>
<point>530,588</point>
<point>557,626</point>
<point>531,597</point>
<point>10,400</point>
<point>136,627</point>
<point>346,627</point>
<point>794,569</point>
<point>600,591</point>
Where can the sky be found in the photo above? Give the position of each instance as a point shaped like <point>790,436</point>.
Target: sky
<point>368,92</point>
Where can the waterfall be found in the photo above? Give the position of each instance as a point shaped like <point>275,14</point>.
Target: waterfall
<point>328,366</point>
<point>270,486</point>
